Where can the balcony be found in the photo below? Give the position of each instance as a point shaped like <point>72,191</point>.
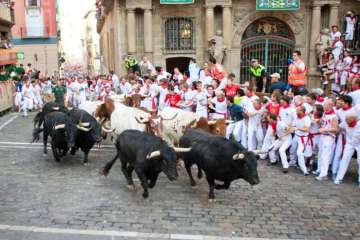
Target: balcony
<point>34,32</point>
<point>7,56</point>
<point>5,12</point>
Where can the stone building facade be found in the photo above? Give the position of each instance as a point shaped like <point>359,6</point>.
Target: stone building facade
<point>162,32</point>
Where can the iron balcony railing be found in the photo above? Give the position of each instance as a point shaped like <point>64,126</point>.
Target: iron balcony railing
<point>34,32</point>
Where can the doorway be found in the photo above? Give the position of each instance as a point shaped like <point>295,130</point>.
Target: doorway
<point>180,62</point>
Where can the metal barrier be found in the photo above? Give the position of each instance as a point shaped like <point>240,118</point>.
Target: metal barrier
<point>7,90</point>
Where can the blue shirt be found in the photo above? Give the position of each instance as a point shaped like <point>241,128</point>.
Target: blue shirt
<point>282,86</point>
<point>236,112</point>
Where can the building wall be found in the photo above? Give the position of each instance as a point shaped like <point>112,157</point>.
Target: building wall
<point>47,55</point>
<point>243,14</point>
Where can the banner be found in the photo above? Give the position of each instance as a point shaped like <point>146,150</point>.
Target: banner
<point>277,4</point>
<point>20,56</point>
<point>176,1</point>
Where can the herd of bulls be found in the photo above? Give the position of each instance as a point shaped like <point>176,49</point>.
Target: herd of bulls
<point>148,144</point>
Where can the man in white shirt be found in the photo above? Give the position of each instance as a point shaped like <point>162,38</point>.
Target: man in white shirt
<point>352,128</point>
<point>302,128</point>
<point>146,67</point>
<point>355,94</point>
<point>337,47</point>
<point>115,81</point>
<point>125,87</point>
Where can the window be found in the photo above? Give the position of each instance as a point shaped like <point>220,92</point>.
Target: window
<point>179,34</point>
<point>33,3</point>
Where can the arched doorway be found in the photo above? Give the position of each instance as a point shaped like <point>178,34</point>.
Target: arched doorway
<point>272,42</point>
<point>180,62</point>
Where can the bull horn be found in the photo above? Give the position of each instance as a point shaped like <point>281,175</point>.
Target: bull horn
<point>182,150</point>
<point>60,126</point>
<point>212,122</point>
<point>56,108</point>
<point>107,130</point>
<point>82,128</point>
<point>107,125</point>
<point>169,119</point>
<point>84,124</point>
<point>258,152</point>
<point>229,121</point>
<point>238,156</point>
<point>153,154</point>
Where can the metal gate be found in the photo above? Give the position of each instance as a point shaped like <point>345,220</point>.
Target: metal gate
<point>272,52</point>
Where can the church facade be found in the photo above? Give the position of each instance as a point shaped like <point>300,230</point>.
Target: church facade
<point>171,34</point>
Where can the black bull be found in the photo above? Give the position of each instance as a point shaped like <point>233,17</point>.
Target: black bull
<point>148,155</point>
<point>219,158</point>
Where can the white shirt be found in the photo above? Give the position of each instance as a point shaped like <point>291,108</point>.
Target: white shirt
<point>220,108</point>
<point>201,100</point>
<point>115,81</point>
<point>352,134</point>
<point>304,122</point>
<point>126,88</point>
<point>28,92</point>
<point>281,129</point>
<point>288,115</point>
<point>255,117</point>
<point>355,95</point>
<point>335,34</point>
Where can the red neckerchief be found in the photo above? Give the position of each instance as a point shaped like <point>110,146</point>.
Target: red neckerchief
<point>273,125</point>
<point>250,94</point>
<point>352,124</point>
<point>301,115</point>
<point>331,111</point>
<point>164,86</point>
<point>320,99</point>
<point>221,99</point>
<point>346,107</point>
<point>257,108</point>
<point>285,105</point>
<point>338,108</point>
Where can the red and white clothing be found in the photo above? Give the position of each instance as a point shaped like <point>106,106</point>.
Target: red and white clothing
<point>347,65</point>
<point>326,143</point>
<point>352,145</point>
<point>163,91</point>
<point>173,100</point>
<point>230,90</point>
<point>200,97</point>
<point>187,98</point>
<point>299,142</point>
<point>37,96</point>
<point>28,96</point>
<point>126,88</point>
<point>220,108</point>
<point>287,114</point>
<point>281,144</point>
<point>350,27</point>
<point>338,48</point>
<point>149,92</point>
<point>355,95</point>
<point>255,131</point>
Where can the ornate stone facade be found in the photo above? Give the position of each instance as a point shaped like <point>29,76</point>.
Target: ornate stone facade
<point>235,17</point>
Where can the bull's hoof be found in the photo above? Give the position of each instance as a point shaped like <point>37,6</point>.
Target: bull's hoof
<point>193,183</point>
<point>57,159</point>
<point>212,200</point>
<point>104,172</point>
<point>131,187</point>
<point>145,195</point>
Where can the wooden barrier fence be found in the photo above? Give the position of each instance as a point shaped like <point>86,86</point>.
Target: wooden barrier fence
<point>6,95</point>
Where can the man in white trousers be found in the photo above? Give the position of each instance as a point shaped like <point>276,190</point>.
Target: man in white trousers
<point>236,115</point>
<point>301,129</point>
<point>329,126</point>
<point>352,128</point>
<point>283,131</point>
<point>344,102</point>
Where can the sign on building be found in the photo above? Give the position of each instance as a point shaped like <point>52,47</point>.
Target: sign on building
<point>176,1</point>
<point>277,4</point>
<point>20,56</point>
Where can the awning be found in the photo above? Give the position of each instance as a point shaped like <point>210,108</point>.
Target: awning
<point>7,56</point>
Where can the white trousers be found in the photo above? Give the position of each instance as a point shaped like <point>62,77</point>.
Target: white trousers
<point>27,104</point>
<point>345,161</point>
<point>244,134</point>
<point>268,141</point>
<point>255,137</point>
<point>339,149</point>
<point>281,145</point>
<point>326,149</point>
<point>297,151</point>
<point>235,130</point>
<point>17,99</point>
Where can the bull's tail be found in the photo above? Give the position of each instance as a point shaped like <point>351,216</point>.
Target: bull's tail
<point>36,134</point>
<point>37,119</point>
<point>109,165</point>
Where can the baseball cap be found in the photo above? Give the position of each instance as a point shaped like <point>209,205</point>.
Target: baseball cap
<point>275,75</point>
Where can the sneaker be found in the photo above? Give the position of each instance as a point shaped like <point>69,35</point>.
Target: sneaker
<point>315,173</point>
<point>306,174</point>
<point>337,182</point>
<point>326,83</point>
<point>321,178</point>
<point>285,170</point>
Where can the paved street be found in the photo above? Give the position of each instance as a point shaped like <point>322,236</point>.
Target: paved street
<point>42,199</point>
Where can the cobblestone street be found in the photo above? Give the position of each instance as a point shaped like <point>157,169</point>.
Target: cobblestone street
<point>39,198</point>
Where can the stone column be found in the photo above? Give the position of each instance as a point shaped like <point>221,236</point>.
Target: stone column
<point>315,31</point>
<point>148,37</point>
<point>227,26</point>
<point>131,37</point>
<point>334,15</point>
<point>209,22</point>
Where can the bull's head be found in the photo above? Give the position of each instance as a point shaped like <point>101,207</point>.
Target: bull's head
<point>218,127</point>
<point>247,166</point>
<point>168,157</point>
